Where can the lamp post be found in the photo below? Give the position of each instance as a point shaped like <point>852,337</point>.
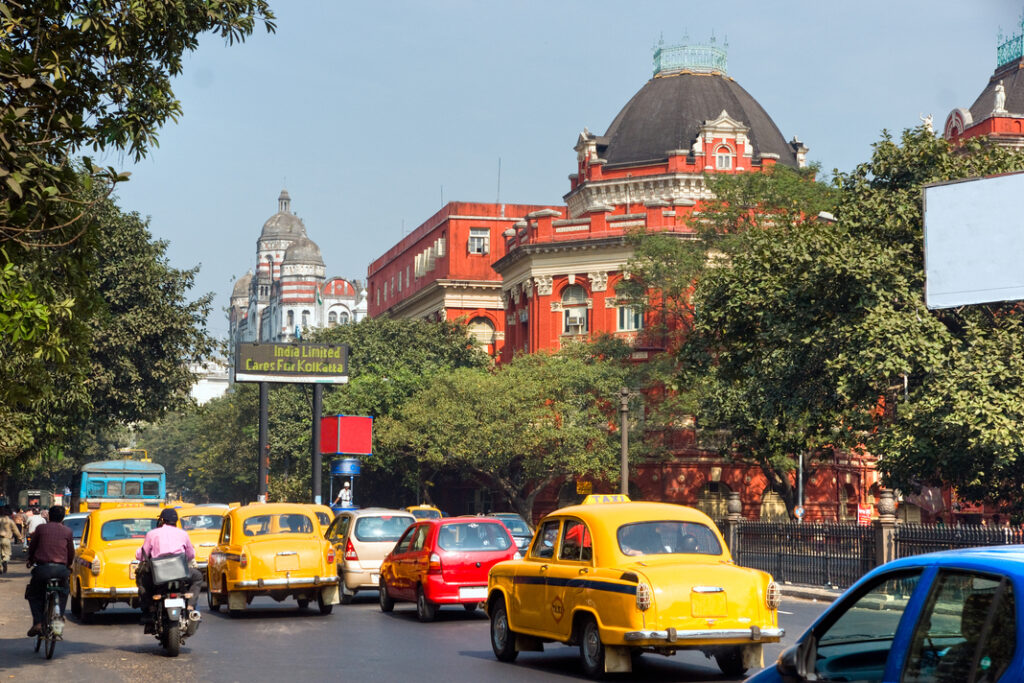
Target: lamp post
<point>624,428</point>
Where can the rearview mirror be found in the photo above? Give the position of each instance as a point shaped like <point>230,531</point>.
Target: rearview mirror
<point>788,664</point>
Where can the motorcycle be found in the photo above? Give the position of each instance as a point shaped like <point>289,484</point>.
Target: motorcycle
<point>173,619</point>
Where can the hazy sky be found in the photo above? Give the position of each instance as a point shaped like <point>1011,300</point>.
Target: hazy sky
<point>370,113</point>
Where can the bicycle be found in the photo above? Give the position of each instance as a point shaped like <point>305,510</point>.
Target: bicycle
<point>53,621</point>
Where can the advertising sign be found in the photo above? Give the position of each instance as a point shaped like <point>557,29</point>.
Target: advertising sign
<point>346,434</point>
<point>291,363</point>
<point>864,515</point>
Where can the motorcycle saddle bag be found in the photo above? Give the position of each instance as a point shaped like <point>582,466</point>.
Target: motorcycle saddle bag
<point>169,568</point>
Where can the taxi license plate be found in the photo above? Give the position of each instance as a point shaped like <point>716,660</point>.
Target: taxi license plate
<point>708,605</point>
<point>286,563</point>
<point>132,568</point>
<point>473,593</point>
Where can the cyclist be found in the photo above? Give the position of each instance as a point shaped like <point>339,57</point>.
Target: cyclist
<point>52,552</point>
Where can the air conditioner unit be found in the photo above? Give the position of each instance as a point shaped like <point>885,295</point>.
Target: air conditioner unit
<point>575,321</point>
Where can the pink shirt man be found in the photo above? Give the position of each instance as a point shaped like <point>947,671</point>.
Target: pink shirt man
<point>166,539</point>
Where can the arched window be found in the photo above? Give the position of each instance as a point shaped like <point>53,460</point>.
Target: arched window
<point>574,310</point>
<point>305,318</point>
<point>343,317</point>
<point>291,320</point>
<point>723,158</point>
<point>332,319</point>
<point>482,330</point>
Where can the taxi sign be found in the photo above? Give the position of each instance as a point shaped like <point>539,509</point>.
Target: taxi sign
<point>606,498</point>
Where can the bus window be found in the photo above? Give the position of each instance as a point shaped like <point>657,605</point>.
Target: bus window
<point>132,488</point>
<point>151,488</point>
<point>97,488</point>
<point>113,489</point>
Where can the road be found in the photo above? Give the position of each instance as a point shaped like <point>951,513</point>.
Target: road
<point>277,642</point>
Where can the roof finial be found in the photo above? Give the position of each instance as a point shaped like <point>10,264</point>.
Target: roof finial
<point>284,202</point>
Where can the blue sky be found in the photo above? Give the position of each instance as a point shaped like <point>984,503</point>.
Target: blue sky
<point>371,113</point>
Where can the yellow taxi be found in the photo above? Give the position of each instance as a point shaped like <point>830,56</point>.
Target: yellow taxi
<point>273,549</point>
<point>621,578</point>
<point>424,511</point>
<point>105,564</point>
<point>202,522</point>
<point>324,515</point>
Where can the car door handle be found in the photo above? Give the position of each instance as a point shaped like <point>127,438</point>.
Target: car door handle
<point>584,571</point>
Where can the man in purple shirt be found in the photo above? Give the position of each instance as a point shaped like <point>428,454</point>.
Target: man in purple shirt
<point>52,552</point>
<point>165,539</point>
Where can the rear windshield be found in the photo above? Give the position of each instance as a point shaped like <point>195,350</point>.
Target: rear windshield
<point>667,537</point>
<point>322,517</point>
<point>427,514</point>
<point>194,522</point>
<point>516,525</point>
<point>288,523</point>
<point>383,528</point>
<point>76,525</point>
<point>119,529</point>
<point>473,536</point>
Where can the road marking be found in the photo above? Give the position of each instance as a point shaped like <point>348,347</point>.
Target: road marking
<point>781,612</point>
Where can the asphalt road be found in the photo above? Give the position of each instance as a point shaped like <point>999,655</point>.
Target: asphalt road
<point>278,642</point>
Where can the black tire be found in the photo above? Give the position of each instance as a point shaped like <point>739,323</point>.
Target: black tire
<point>325,607</point>
<point>591,648</point>
<point>172,640</point>
<point>425,610</point>
<point>387,603</point>
<point>51,616</point>
<point>51,645</point>
<point>346,594</point>
<point>212,601</point>
<point>503,639</point>
<point>76,607</point>
<point>730,661</point>
<point>39,642</point>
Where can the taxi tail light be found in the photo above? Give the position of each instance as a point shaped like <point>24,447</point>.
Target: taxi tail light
<point>434,567</point>
<point>773,596</point>
<point>644,597</point>
<point>350,552</point>
<point>330,555</point>
<point>96,566</point>
<point>243,560</point>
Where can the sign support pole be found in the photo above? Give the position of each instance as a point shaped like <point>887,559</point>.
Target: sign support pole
<point>264,446</point>
<point>318,400</point>
<point>624,429</point>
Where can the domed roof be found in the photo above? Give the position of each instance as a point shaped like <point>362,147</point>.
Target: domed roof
<point>303,250</point>
<point>283,224</point>
<point>241,288</point>
<point>669,110</point>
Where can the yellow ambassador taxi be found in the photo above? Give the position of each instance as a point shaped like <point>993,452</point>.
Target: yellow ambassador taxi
<point>274,549</point>
<point>203,523</point>
<point>105,564</point>
<point>622,578</point>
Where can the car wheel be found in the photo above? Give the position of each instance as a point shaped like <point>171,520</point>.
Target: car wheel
<point>346,594</point>
<point>325,607</point>
<point>387,603</point>
<point>503,640</point>
<point>591,648</point>
<point>730,661</point>
<point>76,604</point>
<point>425,610</point>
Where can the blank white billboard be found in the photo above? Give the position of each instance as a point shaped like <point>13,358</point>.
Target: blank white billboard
<point>974,241</point>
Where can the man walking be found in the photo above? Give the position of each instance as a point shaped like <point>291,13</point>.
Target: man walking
<point>8,532</point>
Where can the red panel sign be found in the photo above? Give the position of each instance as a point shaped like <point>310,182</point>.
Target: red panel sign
<point>346,435</point>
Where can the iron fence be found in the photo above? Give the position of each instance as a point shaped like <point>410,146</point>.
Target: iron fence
<point>813,553</point>
<point>916,539</point>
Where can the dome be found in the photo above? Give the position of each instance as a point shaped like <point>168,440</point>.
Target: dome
<point>241,288</point>
<point>303,250</point>
<point>669,110</point>
<point>283,224</point>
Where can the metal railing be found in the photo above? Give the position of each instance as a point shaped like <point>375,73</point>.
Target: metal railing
<point>916,539</point>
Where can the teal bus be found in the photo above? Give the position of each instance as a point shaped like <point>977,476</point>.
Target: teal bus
<point>118,483</point>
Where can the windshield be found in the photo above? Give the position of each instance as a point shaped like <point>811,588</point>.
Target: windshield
<point>120,529</point>
<point>195,522</point>
<point>668,537</point>
<point>426,514</point>
<point>473,537</point>
<point>515,524</point>
<point>383,528</point>
<point>76,524</point>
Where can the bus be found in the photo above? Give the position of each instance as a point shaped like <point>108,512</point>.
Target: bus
<point>118,483</point>
<point>35,498</point>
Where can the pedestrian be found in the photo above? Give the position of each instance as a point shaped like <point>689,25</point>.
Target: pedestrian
<point>51,552</point>
<point>33,520</point>
<point>8,531</point>
<point>344,498</point>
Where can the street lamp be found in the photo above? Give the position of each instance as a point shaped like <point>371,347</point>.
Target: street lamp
<point>624,428</point>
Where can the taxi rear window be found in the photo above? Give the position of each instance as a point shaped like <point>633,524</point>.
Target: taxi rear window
<point>473,537</point>
<point>667,537</point>
<point>383,528</point>
<point>194,522</point>
<point>515,525</point>
<point>287,523</point>
<point>120,529</point>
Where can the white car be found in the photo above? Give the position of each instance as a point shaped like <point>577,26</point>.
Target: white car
<point>76,522</point>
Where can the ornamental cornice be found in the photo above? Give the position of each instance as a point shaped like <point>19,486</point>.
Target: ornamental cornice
<point>598,281</point>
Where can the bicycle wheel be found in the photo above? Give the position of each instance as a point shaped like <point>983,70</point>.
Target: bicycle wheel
<point>49,617</point>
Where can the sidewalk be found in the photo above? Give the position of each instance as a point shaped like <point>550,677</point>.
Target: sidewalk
<point>790,590</point>
<point>14,615</point>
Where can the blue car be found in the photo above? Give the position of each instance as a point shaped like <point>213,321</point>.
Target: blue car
<point>948,617</point>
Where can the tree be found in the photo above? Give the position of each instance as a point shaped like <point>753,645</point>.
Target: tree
<point>519,428</point>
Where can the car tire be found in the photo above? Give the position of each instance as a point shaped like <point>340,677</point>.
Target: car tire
<point>425,610</point>
<point>503,639</point>
<point>387,603</point>
<point>212,601</point>
<point>591,648</point>
<point>346,594</point>
<point>325,607</point>
<point>76,605</point>
<point>730,661</point>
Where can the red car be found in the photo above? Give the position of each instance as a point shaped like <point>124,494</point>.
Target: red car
<point>444,562</point>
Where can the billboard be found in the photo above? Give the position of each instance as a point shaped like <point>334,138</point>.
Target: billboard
<point>974,241</point>
<point>291,363</point>
<point>346,434</point>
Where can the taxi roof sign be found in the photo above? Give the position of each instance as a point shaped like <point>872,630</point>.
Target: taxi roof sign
<point>605,498</point>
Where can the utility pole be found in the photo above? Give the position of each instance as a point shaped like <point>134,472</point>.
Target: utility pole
<point>624,428</point>
<point>263,474</point>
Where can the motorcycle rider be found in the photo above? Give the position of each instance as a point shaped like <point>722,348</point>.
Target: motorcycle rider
<point>52,551</point>
<point>165,539</point>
